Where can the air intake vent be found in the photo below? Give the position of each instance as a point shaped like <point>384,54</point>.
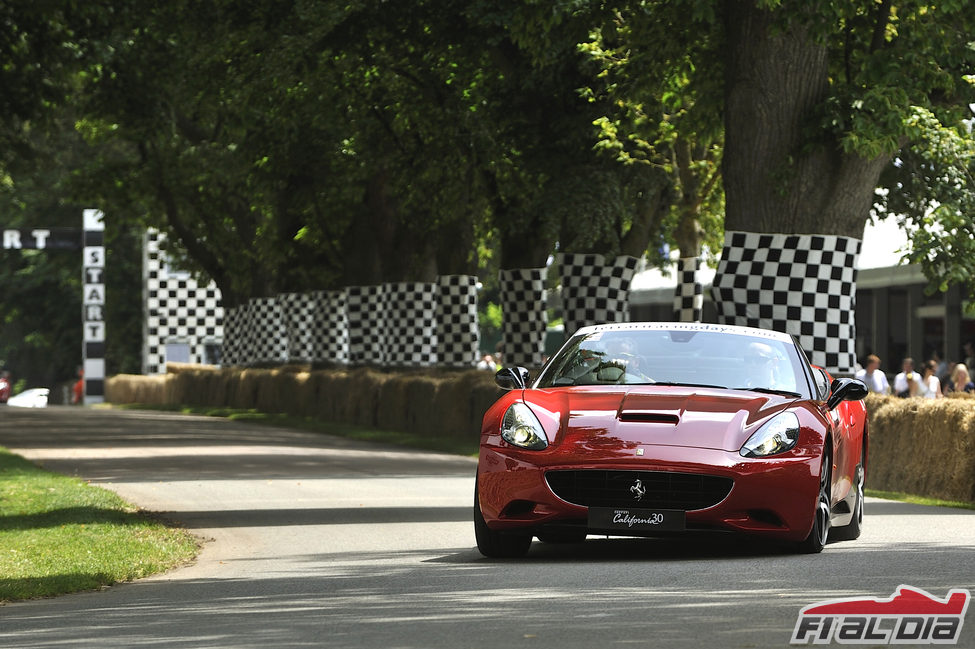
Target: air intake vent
<point>646,417</point>
<point>664,489</point>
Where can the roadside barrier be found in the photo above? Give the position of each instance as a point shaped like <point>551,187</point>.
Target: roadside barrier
<point>924,447</point>
<point>437,402</point>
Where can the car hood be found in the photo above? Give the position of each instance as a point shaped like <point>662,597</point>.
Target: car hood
<point>604,419</point>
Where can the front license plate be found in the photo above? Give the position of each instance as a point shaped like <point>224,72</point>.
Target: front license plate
<point>636,520</point>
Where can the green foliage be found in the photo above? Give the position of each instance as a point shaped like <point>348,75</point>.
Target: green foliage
<point>308,145</point>
<point>931,194</point>
<point>60,535</point>
<point>40,311</point>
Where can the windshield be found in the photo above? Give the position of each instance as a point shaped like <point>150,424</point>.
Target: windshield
<point>662,356</point>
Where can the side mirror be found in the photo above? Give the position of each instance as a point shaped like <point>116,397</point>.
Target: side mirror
<point>846,390</point>
<point>512,378</point>
<point>822,383</point>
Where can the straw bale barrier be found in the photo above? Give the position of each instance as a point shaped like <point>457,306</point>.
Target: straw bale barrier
<point>919,446</point>
<point>922,446</point>
<point>438,402</point>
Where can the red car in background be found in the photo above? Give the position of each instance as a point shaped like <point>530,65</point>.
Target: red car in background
<point>649,429</point>
<point>4,387</point>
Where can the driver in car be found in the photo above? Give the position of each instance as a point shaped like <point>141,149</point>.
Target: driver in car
<point>763,367</point>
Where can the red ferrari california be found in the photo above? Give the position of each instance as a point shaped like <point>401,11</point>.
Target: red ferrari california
<point>647,429</point>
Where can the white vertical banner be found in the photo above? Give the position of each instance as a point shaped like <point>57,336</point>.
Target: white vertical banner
<point>93,306</point>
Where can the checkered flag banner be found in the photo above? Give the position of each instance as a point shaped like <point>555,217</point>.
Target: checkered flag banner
<point>410,326</point>
<point>267,336</point>
<point>364,310</point>
<point>457,327</point>
<point>298,315</point>
<point>801,284</point>
<point>523,316</point>
<point>234,331</point>
<point>330,327</point>
<point>689,298</point>
<point>239,331</point>
<point>594,291</point>
<point>177,308</point>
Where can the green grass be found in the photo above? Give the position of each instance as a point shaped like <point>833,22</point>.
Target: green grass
<point>454,446</point>
<point>61,535</point>
<point>918,500</point>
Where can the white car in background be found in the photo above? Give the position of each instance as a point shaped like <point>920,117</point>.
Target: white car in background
<point>32,398</point>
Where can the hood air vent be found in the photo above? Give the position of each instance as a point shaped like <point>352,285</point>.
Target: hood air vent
<point>648,417</point>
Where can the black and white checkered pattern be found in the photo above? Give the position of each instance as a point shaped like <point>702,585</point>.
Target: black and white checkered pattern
<point>689,298</point>
<point>594,291</point>
<point>802,284</point>
<point>330,328</point>
<point>523,316</point>
<point>457,326</point>
<point>267,335</point>
<point>364,309</point>
<point>298,313</point>
<point>410,324</point>
<point>234,333</point>
<point>177,309</point>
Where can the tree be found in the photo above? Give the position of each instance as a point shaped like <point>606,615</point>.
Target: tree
<point>663,121</point>
<point>820,99</point>
<point>44,52</point>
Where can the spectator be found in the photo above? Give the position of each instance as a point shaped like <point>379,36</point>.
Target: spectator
<point>875,380</point>
<point>929,386</point>
<point>487,363</point>
<point>906,383</point>
<point>942,364</point>
<point>960,380</point>
<point>4,386</point>
<point>78,390</point>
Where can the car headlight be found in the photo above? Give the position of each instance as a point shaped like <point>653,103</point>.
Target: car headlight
<point>777,435</point>
<point>521,427</point>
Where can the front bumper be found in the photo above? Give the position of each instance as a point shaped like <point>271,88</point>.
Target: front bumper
<point>774,497</point>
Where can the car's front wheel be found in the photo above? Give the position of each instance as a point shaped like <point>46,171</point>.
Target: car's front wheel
<point>497,545</point>
<point>852,530</point>
<point>819,533</point>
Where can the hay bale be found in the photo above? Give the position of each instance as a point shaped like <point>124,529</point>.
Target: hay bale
<point>924,447</point>
<point>362,396</point>
<point>423,414</point>
<point>245,385</point>
<point>132,388</point>
<point>393,405</point>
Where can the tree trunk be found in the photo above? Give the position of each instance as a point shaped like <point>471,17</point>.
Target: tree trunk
<point>796,204</point>
<point>776,178</point>
<point>368,236</point>
<point>653,206</point>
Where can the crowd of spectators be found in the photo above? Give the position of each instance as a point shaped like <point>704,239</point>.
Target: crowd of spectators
<point>935,378</point>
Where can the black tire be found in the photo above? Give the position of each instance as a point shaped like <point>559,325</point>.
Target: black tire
<point>852,530</point>
<point>562,537</point>
<point>497,545</point>
<point>819,533</point>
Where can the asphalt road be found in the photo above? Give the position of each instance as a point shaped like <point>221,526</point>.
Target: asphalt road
<point>315,541</point>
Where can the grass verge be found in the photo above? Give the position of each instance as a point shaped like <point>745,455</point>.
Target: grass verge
<point>918,500</point>
<point>60,535</point>
<point>452,445</point>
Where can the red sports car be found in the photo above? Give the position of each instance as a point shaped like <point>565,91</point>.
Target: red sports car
<point>649,429</point>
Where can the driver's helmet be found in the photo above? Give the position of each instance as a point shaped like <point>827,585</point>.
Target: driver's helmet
<point>619,347</point>
<point>759,355</point>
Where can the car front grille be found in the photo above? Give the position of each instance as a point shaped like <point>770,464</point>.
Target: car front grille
<point>661,489</point>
